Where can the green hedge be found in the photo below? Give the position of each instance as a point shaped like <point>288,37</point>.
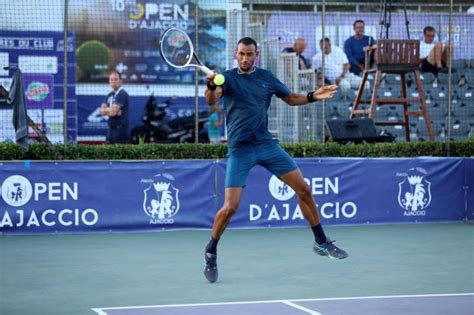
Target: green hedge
<point>36,151</point>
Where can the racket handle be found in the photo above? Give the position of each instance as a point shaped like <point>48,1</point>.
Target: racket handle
<point>206,70</point>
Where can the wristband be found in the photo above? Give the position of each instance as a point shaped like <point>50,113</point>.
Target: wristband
<point>211,86</point>
<point>310,97</point>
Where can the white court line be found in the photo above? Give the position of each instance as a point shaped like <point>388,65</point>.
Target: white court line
<point>304,309</point>
<point>100,310</point>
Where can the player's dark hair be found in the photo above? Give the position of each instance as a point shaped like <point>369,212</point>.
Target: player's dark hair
<point>428,29</point>
<point>358,21</point>
<point>117,73</point>
<point>248,41</point>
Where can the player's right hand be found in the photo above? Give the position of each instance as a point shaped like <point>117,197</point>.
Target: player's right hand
<point>210,78</point>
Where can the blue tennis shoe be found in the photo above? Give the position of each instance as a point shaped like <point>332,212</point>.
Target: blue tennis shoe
<point>329,249</point>
<point>211,267</point>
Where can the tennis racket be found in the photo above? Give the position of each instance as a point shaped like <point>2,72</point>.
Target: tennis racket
<point>177,50</point>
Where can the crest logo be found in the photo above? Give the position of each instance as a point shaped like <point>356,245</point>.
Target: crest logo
<point>414,193</point>
<point>279,189</point>
<point>16,190</point>
<point>161,201</point>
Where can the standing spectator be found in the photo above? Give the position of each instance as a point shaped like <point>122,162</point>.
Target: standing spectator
<point>298,47</point>
<point>115,107</point>
<point>336,67</point>
<point>354,47</point>
<point>215,124</point>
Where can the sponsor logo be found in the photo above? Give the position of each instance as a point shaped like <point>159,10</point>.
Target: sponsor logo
<point>16,190</point>
<point>285,209</point>
<point>37,91</point>
<point>280,190</point>
<point>49,217</point>
<point>414,192</point>
<point>158,16</point>
<point>161,199</point>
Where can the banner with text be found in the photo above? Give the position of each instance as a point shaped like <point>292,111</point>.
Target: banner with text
<point>357,191</point>
<point>106,196</point>
<point>125,35</point>
<point>49,197</point>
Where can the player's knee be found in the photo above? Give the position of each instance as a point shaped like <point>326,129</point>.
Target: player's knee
<point>304,191</point>
<point>230,208</point>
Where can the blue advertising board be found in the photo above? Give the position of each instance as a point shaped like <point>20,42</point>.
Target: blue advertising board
<point>102,196</point>
<point>72,197</point>
<point>468,188</point>
<point>358,191</point>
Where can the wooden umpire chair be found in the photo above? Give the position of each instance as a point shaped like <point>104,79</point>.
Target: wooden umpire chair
<point>396,57</point>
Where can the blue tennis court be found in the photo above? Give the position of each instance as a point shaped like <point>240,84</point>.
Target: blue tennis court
<point>392,269</point>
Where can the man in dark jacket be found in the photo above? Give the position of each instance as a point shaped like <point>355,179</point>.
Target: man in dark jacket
<point>115,106</point>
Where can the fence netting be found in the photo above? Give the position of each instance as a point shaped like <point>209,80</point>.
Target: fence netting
<point>66,50</point>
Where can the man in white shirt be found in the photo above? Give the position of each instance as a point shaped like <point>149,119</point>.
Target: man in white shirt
<point>433,55</point>
<point>336,67</point>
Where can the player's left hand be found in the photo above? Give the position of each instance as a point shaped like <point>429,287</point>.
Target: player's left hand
<point>325,92</point>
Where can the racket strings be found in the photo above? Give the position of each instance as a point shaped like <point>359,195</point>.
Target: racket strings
<point>177,50</point>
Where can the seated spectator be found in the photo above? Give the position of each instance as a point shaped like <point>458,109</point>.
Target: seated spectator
<point>354,47</point>
<point>336,67</point>
<point>298,47</point>
<point>433,55</point>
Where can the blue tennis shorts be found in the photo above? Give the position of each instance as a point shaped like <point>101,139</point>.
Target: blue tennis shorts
<point>269,155</point>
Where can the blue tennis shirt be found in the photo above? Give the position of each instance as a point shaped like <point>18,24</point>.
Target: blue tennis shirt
<point>246,101</point>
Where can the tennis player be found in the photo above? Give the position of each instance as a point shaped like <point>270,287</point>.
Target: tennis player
<point>247,92</point>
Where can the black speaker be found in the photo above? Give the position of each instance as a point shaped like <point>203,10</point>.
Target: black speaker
<point>353,130</point>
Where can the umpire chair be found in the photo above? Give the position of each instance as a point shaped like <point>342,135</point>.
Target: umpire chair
<point>396,57</point>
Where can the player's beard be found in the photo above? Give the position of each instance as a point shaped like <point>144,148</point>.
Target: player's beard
<point>246,66</point>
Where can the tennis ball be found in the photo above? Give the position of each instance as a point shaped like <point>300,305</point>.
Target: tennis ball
<point>219,79</point>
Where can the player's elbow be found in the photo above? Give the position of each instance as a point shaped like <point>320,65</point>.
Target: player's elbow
<point>291,100</point>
